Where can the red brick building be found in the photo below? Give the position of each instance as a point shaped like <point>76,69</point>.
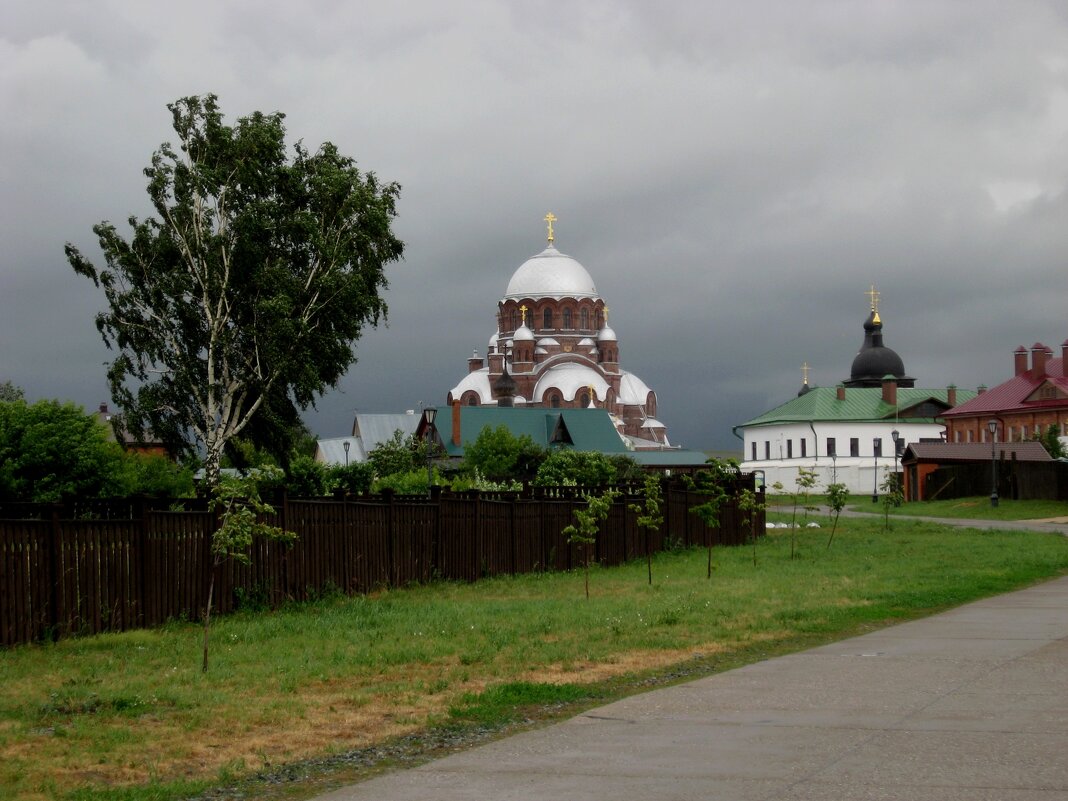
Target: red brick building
<point>1035,398</point>
<point>553,348</point>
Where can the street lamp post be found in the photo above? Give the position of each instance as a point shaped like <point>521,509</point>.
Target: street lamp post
<point>992,427</point>
<point>429,414</point>
<point>346,447</point>
<point>896,437</point>
<point>875,480</point>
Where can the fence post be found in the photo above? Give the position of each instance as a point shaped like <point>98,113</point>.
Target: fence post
<point>52,621</point>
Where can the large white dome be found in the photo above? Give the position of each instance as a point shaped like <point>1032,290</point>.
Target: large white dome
<point>551,274</point>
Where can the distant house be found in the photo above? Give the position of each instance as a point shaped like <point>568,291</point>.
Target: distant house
<point>1035,398</point>
<point>368,432</point>
<point>149,443</point>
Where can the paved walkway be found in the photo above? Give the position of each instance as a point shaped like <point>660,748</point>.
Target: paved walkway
<point>970,704</point>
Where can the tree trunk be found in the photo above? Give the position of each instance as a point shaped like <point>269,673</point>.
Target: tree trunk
<point>207,619</point>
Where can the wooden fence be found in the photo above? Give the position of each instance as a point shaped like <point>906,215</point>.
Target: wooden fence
<point>1016,480</point>
<point>113,567</point>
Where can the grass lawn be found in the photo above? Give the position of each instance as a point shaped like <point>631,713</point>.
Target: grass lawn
<point>130,716</point>
<point>970,508</point>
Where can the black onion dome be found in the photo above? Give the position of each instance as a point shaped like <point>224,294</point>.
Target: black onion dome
<point>874,360</point>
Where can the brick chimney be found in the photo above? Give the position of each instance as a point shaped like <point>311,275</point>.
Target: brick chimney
<point>951,395</point>
<point>1039,354</point>
<point>890,390</point>
<point>980,389</point>
<point>474,363</point>
<point>841,392</point>
<point>1020,359</point>
<point>456,423</point>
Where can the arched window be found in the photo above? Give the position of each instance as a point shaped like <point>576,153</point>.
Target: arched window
<point>585,319</point>
<point>513,319</point>
<point>554,401</point>
<point>547,319</point>
<point>584,400</point>
<point>567,319</point>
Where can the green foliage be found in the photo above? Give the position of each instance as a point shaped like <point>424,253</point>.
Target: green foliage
<point>157,476</point>
<point>837,498</point>
<point>398,454</point>
<point>52,451</point>
<point>354,478</point>
<point>10,392</point>
<point>751,504</point>
<point>307,478</point>
<point>589,523</point>
<point>1050,440</point>
<point>236,500</point>
<point>476,481</point>
<point>892,495</point>
<point>499,455</point>
<point>575,468</point>
<point>710,482</point>
<point>650,515</point>
<point>247,292</point>
<point>804,482</point>
<point>411,482</point>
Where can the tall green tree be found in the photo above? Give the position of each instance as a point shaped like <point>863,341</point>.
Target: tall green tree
<point>259,273</point>
<point>52,451</point>
<point>499,455</point>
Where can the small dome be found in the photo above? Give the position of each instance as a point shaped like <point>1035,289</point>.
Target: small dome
<point>548,342</point>
<point>523,334</point>
<point>606,334</point>
<point>493,340</point>
<point>551,274</point>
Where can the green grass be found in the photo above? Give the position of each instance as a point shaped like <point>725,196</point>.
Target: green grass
<point>131,716</point>
<point>971,508</point>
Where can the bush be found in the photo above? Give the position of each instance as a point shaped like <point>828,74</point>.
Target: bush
<point>576,468</point>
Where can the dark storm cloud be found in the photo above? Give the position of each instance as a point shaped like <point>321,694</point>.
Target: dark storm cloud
<point>734,176</point>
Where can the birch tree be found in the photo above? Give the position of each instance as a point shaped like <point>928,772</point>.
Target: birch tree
<point>258,273</point>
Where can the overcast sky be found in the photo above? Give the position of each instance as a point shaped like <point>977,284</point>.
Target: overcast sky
<point>733,175</point>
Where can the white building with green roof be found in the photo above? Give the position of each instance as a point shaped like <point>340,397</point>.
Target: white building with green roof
<point>846,434</point>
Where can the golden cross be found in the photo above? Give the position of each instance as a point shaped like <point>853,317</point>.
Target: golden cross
<point>804,371</point>
<point>550,218</point>
<point>606,314</point>
<point>523,311</point>
<point>873,294</point>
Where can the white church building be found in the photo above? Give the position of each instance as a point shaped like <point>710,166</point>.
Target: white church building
<point>848,434</point>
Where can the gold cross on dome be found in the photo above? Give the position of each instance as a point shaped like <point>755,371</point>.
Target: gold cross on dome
<point>523,312</point>
<point>873,295</point>
<point>606,314</point>
<point>550,218</point>
<point>804,371</point>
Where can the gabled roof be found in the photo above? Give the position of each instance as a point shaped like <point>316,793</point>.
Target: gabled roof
<point>943,452</point>
<point>861,404</point>
<point>1019,393</point>
<point>581,429</point>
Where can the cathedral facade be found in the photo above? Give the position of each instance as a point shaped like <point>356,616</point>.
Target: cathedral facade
<point>553,348</point>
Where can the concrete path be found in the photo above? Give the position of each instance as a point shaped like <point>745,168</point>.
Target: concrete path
<point>970,704</point>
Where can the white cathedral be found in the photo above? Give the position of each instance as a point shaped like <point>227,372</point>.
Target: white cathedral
<point>553,347</point>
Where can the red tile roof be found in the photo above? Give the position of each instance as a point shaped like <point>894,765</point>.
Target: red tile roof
<point>1013,394</point>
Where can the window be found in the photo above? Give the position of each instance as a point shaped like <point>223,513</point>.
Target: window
<point>877,447</point>
<point>804,448</point>
<point>956,436</point>
<point>854,446</point>
<point>752,451</point>
<point>554,401</point>
<point>547,319</point>
<point>789,449</point>
<point>584,400</point>
<point>831,447</point>
<point>585,319</point>
<point>970,435</point>
<point>567,319</point>
<point>767,449</point>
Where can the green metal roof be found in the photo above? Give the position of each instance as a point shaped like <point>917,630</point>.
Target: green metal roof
<point>861,404</point>
<point>581,429</point>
